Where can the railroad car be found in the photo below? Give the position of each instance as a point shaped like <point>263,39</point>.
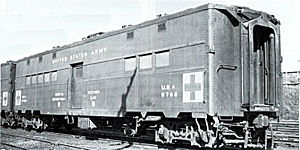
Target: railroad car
<point>209,75</point>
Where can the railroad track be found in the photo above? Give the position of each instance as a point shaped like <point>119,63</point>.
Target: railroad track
<point>141,142</point>
<point>56,140</point>
<point>285,132</point>
<point>42,142</point>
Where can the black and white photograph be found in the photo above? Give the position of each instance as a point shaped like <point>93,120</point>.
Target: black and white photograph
<point>149,74</point>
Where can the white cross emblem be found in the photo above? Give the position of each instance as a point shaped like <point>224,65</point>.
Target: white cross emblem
<point>193,87</point>
<point>18,97</point>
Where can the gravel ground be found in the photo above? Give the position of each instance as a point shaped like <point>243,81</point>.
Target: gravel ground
<point>284,147</point>
<point>62,138</point>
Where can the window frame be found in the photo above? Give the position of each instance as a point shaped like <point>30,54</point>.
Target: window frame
<point>52,77</point>
<point>160,28</point>
<point>34,78</point>
<point>130,35</point>
<point>28,62</point>
<point>133,67</point>
<point>28,82</point>
<point>39,81</point>
<point>160,55</point>
<point>40,59</point>
<point>144,56</point>
<point>46,74</point>
<point>54,56</point>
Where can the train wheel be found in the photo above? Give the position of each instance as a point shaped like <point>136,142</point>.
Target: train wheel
<point>29,128</point>
<point>132,126</point>
<point>24,123</point>
<point>4,123</point>
<point>129,132</point>
<point>27,125</point>
<point>13,124</point>
<point>162,134</point>
<point>38,124</point>
<point>68,127</point>
<point>70,123</point>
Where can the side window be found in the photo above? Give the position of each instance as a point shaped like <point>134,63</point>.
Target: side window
<point>33,79</point>
<point>40,59</point>
<point>130,63</point>
<point>54,76</point>
<point>161,27</point>
<point>47,77</point>
<point>130,35</point>
<point>146,61</point>
<point>27,81</point>
<point>53,56</point>
<point>40,78</point>
<point>162,59</point>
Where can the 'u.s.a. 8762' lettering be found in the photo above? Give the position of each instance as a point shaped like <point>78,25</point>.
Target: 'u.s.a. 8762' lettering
<point>168,90</point>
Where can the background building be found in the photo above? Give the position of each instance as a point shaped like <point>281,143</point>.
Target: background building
<point>289,106</point>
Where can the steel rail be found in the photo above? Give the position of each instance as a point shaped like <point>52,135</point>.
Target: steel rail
<point>13,146</point>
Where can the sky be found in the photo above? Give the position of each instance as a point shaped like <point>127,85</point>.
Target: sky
<point>31,26</point>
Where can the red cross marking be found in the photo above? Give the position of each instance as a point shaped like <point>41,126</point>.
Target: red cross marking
<point>192,87</point>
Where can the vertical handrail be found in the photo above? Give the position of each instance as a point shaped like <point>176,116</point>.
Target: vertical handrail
<point>67,92</point>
